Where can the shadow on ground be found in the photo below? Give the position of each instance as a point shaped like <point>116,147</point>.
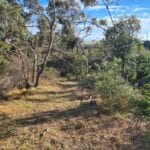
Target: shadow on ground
<point>84,110</point>
<point>139,140</point>
<point>68,85</point>
<point>71,94</point>
<point>142,141</point>
<point>8,126</point>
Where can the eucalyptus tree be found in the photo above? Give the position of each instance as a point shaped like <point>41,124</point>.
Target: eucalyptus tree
<point>52,22</point>
<point>121,38</point>
<point>56,25</point>
<point>12,27</point>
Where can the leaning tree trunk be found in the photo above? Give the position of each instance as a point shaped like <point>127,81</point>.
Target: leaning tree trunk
<point>51,25</point>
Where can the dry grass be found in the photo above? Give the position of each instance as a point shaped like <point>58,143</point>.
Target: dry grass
<point>70,123</point>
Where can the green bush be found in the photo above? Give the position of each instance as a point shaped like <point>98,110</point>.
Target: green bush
<point>142,107</point>
<point>79,68</point>
<point>115,91</point>
<point>144,68</point>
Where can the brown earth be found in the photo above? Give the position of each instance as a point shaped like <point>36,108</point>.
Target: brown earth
<point>57,117</point>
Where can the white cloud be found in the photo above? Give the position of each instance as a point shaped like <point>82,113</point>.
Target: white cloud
<point>95,8</point>
<point>144,32</point>
<point>139,9</point>
<point>145,15</point>
<point>33,30</point>
<point>145,29</point>
<point>112,7</point>
<point>118,9</point>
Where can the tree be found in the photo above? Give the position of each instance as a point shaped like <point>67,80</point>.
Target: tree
<point>55,24</point>
<point>13,33</point>
<point>57,13</point>
<point>121,38</point>
<point>143,68</point>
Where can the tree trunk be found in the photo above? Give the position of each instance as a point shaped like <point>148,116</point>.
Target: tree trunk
<point>44,63</point>
<point>34,66</point>
<point>51,25</point>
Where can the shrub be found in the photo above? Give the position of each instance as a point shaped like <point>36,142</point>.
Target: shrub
<point>50,73</point>
<point>142,107</point>
<point>116,92</point>
<point>144,68</point>
<point>6,83</point>
<point>73,65</point>
<point>79,68</point>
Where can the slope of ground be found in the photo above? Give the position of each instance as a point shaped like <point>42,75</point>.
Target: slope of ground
<point>56,116</point>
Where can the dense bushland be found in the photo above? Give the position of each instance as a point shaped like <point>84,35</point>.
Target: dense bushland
<point>117,67</point>
<point>116,92</point>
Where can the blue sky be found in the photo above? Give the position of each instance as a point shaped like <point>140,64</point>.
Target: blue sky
<point>139,8</point>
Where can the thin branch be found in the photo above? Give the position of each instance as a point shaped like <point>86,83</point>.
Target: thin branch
<point>93,23</point>
<point>108,10</point>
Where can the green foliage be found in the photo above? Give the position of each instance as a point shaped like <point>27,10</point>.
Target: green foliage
<point>120,41</point>
<point>144,67</point>
<point>11,29</point>
<point>88,2</point>
<point>79,67</point>
<point>3,65</point>
<point>4,47</point>
<point>115,91</point>
<point>142,107</point>
<point>123,62</point>
<point>68,39</point>
<point>147,44</point>
<point>68,42</point>
<point>12,22</point>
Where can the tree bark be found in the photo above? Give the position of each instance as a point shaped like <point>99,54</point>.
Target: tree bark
<point>34,66</point>
<point>51,25</point>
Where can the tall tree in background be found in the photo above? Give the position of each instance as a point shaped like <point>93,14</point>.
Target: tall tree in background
<point>120,39</point>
